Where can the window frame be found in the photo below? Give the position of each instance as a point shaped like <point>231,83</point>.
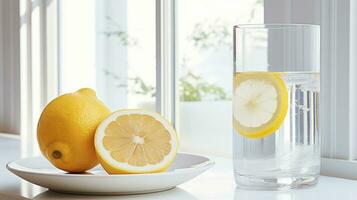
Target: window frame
<point>166,81</point>
<point>38,53</point>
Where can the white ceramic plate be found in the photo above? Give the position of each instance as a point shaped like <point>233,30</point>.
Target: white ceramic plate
<point>39,171</point>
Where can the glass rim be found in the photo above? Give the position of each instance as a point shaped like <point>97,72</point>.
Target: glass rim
<point>275,26</point>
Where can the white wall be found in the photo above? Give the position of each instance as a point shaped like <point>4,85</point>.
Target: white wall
<point>9,66</point>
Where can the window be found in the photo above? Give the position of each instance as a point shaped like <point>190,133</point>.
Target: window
<point>109,46</point>
<point>204,65</point>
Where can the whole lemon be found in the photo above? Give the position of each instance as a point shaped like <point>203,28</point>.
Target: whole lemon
<point>66,129</point>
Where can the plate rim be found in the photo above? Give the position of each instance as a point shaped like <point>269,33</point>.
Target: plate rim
<point>201,166</point>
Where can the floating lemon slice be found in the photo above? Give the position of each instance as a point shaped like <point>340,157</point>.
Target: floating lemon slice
<point>135,141</point>
<point>260,103</point>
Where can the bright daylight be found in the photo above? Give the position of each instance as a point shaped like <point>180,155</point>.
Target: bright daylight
<point>178,99</point>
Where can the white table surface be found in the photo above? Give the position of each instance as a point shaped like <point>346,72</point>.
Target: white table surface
<point>217,183</point>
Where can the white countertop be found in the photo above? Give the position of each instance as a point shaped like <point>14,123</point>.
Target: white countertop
<point>217,183</point>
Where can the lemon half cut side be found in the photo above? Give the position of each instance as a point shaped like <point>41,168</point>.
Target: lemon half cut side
<point>135,141</point>
<point>260,103</point>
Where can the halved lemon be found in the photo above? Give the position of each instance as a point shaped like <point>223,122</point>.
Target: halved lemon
<point>260,103</point>
<point>135,141</point>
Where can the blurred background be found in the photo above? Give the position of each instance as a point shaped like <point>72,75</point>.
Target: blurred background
<point>174,57</point>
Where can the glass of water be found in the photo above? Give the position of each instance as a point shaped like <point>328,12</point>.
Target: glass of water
<point>276,87</point>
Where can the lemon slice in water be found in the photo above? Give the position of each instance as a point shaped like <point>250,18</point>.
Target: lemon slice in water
<point>260,103</point>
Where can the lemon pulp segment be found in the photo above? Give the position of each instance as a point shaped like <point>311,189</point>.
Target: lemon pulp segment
<point>137,139</point>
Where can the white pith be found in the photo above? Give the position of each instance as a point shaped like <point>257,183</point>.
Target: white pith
<point>138,140</point>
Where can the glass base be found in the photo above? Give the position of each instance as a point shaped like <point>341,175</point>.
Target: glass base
<point>275,183</point>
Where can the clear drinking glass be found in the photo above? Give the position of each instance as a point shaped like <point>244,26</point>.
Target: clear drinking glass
<point>276,140</point>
